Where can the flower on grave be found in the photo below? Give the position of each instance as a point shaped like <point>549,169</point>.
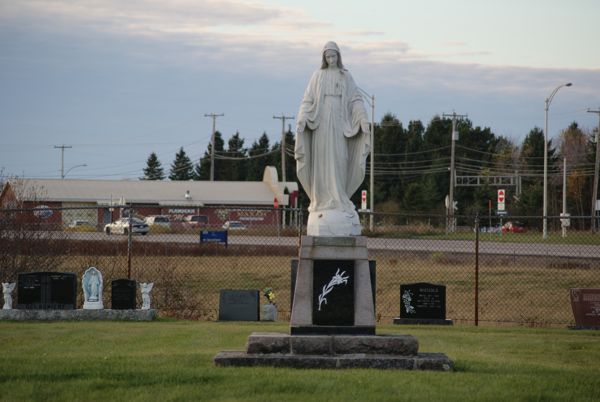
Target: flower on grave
<point>268,293</point>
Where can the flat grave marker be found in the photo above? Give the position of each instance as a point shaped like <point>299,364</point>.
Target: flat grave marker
<point>239,305</point>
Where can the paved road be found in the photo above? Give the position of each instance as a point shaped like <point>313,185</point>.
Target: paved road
<point>450,246</point>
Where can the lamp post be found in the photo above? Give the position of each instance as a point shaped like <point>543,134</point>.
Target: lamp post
<point>67,172</point>
<point>371,101</point>
<point>545,205</point>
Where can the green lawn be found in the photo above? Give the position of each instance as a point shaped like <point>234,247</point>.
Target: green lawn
<point>172,360</point>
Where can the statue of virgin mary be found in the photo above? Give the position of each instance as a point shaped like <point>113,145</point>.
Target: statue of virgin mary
<point>332,144</point>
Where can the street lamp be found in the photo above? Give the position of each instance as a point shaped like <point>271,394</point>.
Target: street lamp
<point>76,166</point>
<point>545,207</point>
<point>371,101</point>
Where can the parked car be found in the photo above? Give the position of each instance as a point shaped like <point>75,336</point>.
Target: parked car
<point>80,223</point>
<point>491,229</point>
<point>195,221</point>
<point>160,220</point>
<point>121,226</point>
<point>234,225</point>
<point>513,227</point>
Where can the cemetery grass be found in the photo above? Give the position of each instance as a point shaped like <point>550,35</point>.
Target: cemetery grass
<point>172,360</point>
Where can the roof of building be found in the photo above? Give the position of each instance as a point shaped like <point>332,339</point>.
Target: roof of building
<point>171,193</point>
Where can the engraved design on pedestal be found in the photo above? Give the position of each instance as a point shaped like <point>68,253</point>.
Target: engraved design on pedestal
<point>337,279</point>
<point>7,289</point>
<point>92,289</point>
<point>145,288</point>
<point>407,298</point>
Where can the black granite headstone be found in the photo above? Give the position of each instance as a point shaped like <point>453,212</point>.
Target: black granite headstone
<point>294,271</point>
<point>423,301</point>
<point>46,291</point>
<point>123,294</point>
<point>239,305</point>
<point>333,292</point>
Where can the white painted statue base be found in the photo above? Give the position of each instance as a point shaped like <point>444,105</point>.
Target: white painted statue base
<point>88,305</point>
<point>333,222</point>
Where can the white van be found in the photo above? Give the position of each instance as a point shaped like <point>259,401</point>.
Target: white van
<point>161,220</point>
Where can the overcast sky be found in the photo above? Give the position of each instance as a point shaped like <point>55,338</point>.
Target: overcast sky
<point>117,80</point>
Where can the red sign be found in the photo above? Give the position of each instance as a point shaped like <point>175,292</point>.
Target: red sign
<point>275,203</point>
<point>501,195</point>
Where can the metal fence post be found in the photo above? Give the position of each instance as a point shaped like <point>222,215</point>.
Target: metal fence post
<point>129,243</point>
<point>477,270</point>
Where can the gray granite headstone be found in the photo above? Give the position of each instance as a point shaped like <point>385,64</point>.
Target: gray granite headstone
<point>239,305</point>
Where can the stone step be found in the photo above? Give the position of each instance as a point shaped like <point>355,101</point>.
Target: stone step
<point>421,361</point>
<point>270,342</point>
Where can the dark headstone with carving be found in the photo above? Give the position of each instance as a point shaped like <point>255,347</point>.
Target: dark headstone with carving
<point>422,303</point>
<point>294,271</point>
<point>586,308</point>
<point>123,294</point>
<point>333,292</point>
<point>46,291</point>
<point>239,305</point>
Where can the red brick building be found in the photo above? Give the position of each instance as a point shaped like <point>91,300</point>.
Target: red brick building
<point>62,201</point>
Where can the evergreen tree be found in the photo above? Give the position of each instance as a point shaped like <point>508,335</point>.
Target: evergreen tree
<point>181,168</point>
<point>233,165</point>
<point>259,156</point>
<point>202,169</point>
<point>153,169</point>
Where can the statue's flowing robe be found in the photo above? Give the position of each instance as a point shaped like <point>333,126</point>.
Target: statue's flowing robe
<point>331,149</point>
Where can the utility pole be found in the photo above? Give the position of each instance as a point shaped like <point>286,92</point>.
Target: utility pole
<point>597,167</point>
<point>62,158</point>
<point>212,143</point>
<point>564,200</point>
<point>451,225</point>
<point>283,118</point>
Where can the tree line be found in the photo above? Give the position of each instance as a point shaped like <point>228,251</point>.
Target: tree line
<point>412,167</point>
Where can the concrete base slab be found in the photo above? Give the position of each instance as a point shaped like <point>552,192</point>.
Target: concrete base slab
<point>421,321</point>
<point>271,342</point>
<point>334,351</point>
<point>421,361</point>
<point>77,315</point>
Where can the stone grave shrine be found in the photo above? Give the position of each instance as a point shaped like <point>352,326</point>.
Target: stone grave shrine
<point>46,291</point>
<point>92,285</point>
<point>333,318</point>
<point>123,294</point>
<point>586,308</point>
<point>333,310</point>
<point>422,303</point>
<point>239,305</point>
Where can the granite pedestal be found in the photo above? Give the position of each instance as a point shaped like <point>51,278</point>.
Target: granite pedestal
<point>333,318</point>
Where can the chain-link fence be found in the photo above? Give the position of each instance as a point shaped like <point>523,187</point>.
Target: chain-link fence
<point>495,269</point>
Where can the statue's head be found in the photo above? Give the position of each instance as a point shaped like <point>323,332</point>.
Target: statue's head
<point>329,49</point>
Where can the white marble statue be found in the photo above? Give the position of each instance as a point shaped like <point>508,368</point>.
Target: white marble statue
<point>145,289</point>
<point>7,289</point>
<point>91,282</point>
<point>332,144</point>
